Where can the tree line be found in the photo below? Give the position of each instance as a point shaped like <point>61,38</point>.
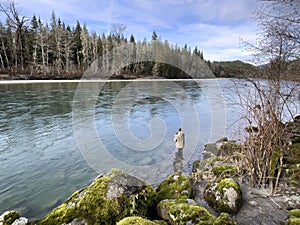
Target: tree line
<point>33,49</point>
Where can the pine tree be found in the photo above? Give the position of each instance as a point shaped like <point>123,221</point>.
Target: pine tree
<point>78,46</point>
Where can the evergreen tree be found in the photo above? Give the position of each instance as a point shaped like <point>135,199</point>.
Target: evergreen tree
<point>77,50</point>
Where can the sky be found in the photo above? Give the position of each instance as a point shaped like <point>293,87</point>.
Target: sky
<point>218,27</point>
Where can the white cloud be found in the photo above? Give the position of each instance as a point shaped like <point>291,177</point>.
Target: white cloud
<point>213,25</point>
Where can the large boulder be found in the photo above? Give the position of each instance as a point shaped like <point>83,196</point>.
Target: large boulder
<point>222,147</point>
<point>176,186</point>
<point>110,198</point>
<point>224,195</point>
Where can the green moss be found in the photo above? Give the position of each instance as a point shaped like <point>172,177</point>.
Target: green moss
<point>175,187</point>
<point>181,212</point>
<point>293,221</point>
<point>134,220</point>
<point>10,217</point>
<point>295,213</point>
<point>224,219</point>
<point>227,183</point>
<point>224,170</point>
<point>94,206</point>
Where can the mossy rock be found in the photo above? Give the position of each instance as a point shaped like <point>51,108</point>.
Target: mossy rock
<point>110,198</point>
<point>224,195</point>
<point>175,187</point>
<point>293,221</point>
<point>224,171</point>
<point>9,217</point>
<point>229,148</point>
<point>181,212</point>
<point>224,219</point>
<point>135,220</point>
<point>294,213</point>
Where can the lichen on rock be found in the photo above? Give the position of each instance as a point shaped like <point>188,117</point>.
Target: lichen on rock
<point>110,198</point>
<point>224,195</point>
<point>9,217</point>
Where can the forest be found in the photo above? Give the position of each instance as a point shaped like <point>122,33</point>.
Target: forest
<point>33,49</point>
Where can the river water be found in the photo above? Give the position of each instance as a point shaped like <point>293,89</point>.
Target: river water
<point>55,138</point>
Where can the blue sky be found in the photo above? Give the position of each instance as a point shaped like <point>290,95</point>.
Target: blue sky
<point>216,26</point>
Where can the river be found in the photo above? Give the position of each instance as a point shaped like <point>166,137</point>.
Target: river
<point>56,137</point>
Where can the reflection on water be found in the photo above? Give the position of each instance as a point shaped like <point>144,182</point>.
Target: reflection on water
<point>178,161</point>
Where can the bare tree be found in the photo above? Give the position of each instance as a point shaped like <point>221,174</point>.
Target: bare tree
<point>117,30</point>
<point>17,24</point>
<point>268,103</point>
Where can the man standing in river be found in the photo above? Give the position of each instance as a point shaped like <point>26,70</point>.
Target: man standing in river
<point>179,139</point>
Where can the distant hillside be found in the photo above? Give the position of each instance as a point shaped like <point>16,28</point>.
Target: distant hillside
<point>233,69</point>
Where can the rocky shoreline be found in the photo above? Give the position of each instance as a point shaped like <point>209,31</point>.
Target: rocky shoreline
<point>217,192</point>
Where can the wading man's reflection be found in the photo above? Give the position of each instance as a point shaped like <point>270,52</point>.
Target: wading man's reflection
<point>178,161</point>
